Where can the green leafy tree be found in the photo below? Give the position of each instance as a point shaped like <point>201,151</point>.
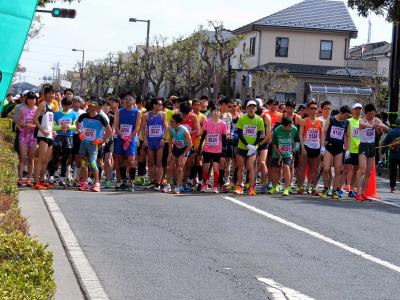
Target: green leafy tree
<point>388,8</point>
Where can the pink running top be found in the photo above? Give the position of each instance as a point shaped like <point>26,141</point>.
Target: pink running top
<point>213,141</point>
<point>28,119</point>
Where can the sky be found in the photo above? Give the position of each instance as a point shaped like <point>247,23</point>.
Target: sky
<point>101,26</point>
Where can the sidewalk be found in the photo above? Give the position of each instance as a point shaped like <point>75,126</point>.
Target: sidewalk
<point>42,228</point>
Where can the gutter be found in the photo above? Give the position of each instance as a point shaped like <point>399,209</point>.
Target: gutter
<point>259,46</point>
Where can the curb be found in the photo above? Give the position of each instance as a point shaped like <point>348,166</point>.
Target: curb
<point>87,278</point>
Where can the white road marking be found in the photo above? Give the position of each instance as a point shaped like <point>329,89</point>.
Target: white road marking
<point>87,277</point>
<point>280,292</point>
<point>316,235</point>
<point>388,203</point>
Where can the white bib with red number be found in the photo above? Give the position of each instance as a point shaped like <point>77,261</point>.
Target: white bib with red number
<point>126,129</point>
<point>212,140</point>
<point>155,131</point>
<point>337,133</point>
<point>313,138</point>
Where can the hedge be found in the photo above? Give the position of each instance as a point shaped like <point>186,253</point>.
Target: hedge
<point>26,266</point>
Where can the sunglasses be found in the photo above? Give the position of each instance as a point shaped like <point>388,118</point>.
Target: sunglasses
<point>313,108</point>
<point>130,99</point>
<point>92,104</point>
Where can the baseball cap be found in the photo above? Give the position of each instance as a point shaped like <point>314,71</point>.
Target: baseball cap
<point>251,102</point>
<point>357,105</point>
<point>260,101</point>
<point>25,92</point>
<point>16,97</point>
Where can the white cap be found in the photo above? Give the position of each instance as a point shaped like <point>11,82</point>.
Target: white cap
<point>260,102</point>
<point>357,105</point>
<point>25,92</point>
<point>251,102</point>
<point>16,97</point>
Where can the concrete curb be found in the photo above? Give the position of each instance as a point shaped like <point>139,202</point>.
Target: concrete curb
<point>87,278</point>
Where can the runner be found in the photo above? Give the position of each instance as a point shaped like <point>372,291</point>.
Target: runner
<point>27,141</point>
<point>369,126</point>
<point>214,134</point>
<point>263,152</point>
<point>109,163</point>
<point>93,130</point>
<point>154,129</point>
<point>43,120</point>
<point>250,126</point>
<point>197,170</point>
<point>64,124</point>
<point>350,172</point>
<point>284,140</point>
<point>227,154</point>
<point>128,120</point>
<point>76,158</point>
<point>310,140</point>
<point>335,140</point>
<point>180,147</point>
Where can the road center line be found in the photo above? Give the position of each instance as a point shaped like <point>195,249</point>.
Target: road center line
<point>87,277</point>
<point>280,292</point>
<point>316,235</point>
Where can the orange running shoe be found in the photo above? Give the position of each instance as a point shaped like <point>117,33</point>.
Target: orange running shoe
<point>28,183</point>
<point>19,182</point>
<point>96,188</point>
<point>239,190</point>
<point>46,185</point>
<point>38,186</point>
<point>84,187</point>
<point>252,191</point>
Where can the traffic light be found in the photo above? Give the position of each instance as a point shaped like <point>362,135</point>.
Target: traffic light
<point>63,13</point>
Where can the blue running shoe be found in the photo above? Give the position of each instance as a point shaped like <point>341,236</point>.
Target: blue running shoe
<point>352,194</point>
<point>264,190</point>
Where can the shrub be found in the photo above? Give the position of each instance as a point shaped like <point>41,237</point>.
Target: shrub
<point>25,268</point>
<point>12,221</point>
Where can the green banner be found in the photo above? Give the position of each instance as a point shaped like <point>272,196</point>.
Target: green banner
<point>15,20</point>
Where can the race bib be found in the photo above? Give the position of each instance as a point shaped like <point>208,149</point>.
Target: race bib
<point>50,118</point>
<point>65,122</point>
<point>179,144</point>
<point>89,134</point>
<point>155,131</point>
<point>285,148</point>
<point>250,130</point>
<point>313,135</point>
<point>356,133</point>
<point>212,140</point>
<point>337,133</point>
<point>368,135</point>
<point>29,121</point>
<point>126,129</point>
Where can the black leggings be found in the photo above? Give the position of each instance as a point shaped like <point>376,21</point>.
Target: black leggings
<point>60,154</point>
<point>394,164</point>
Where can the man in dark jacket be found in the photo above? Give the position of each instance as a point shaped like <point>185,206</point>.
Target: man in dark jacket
<point>393,140</point>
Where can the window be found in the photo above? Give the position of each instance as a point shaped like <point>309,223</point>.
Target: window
<point>252,46</point>
<point>282,46</point>
<point>244,47</point>
<point>345,48</point>
<point>283,97</point>
<point>325,51</point>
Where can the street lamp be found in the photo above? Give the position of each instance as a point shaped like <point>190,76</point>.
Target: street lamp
<point>146,80</point>
<point>83,63</point>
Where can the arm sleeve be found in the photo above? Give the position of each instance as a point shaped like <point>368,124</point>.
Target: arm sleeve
<point>203,137</point>
<point>241,137</point>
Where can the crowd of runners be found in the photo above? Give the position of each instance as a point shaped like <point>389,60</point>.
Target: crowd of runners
<point>180,145</point>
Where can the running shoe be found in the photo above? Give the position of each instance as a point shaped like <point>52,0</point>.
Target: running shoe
<point>47,185</point>
<point>340,193</point>
<point>290,189</point>
<point>107,185</point>
<point>51,180</point>
<point>38,186</point>
<point>330,193</point>
<point>278,187</point>
<point>239,190</point>
<point>314,192</point>
<point>130,187</point>
<point>246,186</point>
<point>224,189</point>
<point>188,188</point>
<point>19,182</point>
<point>204,187</point>
<point>96,187</point>
<point>348,188</point>
<point>166,189</point>
<point>392,189</point>
<point>84,187</point>
<point>216,190</point>
<point>335,195</point>
<point>270,186</point>
<point>62,184</point>
<point>352,194</point>
<point>272,190</point>
<point>181,189</point>
<point>176,190</point>
<point>264,190</point>
<point>118,185</point>
<point>199,186</point>
<point>324,193</point>
<point>252,191</point>
<point>300,191</point>
<point>157,188</point>
<point>359,198</point>
<point>286,192</point>
<point>28,183</point>
<point>309,189</point>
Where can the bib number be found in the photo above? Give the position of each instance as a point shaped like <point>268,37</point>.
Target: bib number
<point>89,134</point>
<point>356,133</point>
<point>337,133</point>
<point>65,122</point>
<point>212,139</point>
<point>250,131</point>
<point>179,144</point>
<point>155,131</point>
<point>126,129</point>
<point>285,148</point>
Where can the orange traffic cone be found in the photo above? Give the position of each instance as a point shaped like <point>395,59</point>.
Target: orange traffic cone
<point>370,191</point>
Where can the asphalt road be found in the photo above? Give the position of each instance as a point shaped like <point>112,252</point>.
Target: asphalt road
<point>147,245</point>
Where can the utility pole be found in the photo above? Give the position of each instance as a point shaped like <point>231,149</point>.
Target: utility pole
<point>394,74</point>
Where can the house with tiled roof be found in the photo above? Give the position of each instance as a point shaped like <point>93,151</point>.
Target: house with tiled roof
<point>310,41</point>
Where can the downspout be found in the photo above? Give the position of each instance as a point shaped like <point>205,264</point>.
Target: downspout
<point>259,46</point>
